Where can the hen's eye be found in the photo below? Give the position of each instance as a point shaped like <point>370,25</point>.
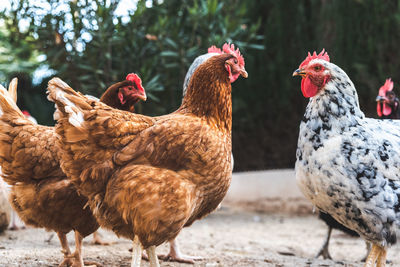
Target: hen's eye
<point>235,61</point>
<point>317,68</point>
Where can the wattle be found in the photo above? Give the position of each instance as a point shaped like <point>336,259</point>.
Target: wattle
<point>233,77</point>
<point>386,109</point>
<point>121,98</point>
<point>308,88</point>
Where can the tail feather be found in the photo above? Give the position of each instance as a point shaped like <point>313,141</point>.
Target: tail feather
<point>12,89</point>
<point>8,106</point>
<point>18,163</point>
<point>69,103</point>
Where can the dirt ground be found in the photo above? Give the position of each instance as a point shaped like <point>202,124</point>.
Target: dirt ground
<point>228,237</point>
<point>264,221</point>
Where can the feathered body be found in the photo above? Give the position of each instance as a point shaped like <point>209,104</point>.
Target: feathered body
<point>347,164</point>
<point>148,177</point>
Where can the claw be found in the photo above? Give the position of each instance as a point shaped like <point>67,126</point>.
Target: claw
<point>176,255</point>
<point>180,259</point>
<point>324,251</point>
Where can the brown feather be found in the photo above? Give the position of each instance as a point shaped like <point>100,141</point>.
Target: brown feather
<point>152,176</point>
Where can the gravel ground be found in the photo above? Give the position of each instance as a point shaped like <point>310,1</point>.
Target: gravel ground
<point>228,237</point>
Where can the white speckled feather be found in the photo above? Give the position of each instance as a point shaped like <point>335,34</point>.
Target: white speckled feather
<point>349,165</point>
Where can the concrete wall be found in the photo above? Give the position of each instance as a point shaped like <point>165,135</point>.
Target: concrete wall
<point>273,191</point>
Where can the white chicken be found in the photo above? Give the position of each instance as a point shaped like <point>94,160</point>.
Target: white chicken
<point>348,165</point>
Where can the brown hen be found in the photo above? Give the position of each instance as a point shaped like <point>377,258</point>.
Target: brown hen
<point>41,193</point>
<point>146,178</point>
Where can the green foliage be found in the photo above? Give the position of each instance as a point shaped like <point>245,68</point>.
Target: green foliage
<point>15,55</point>
<point>90,47</point>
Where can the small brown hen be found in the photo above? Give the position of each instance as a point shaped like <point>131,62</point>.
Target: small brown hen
<point>124,95</point>
<point>41,193</point>
<point>146,178</point>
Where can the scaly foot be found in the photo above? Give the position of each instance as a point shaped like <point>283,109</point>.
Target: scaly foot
<point>16,228</point>
<point>181,258</point>
<point>176,255</point>
<point>324,252</point>
<point>172,257</point>
<point>73,261</point>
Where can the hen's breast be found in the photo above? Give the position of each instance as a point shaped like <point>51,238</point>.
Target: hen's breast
<point>157,194</point>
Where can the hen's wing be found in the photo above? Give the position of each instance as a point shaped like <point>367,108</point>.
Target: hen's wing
<point>175,142</point>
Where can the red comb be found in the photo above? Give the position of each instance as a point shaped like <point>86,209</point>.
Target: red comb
<point>230,49</point>
<point>26,113</point>
<point>388,86</point>
<point>214,49</point>
<point>133,77</point>
<point>323,55</point>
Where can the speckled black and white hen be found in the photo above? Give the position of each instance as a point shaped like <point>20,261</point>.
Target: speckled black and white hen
<point>348,165</point>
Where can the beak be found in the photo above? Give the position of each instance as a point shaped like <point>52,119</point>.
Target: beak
<point>299,72</point>
<point>380,98</point>
<point>143,96</point>
<point>243,72</point>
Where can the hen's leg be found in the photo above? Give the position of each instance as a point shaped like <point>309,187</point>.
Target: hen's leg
<point>151,252</point>
<point>176,255</point>
<point>65,249</point>
<point>48,240</point>
<point>78,249</point>
<point>368,246</point>
<point>382,258</point>
<point>324,251</point>
<point>97,240</point>
<point>14,225</point>
<point>136,253</point>
<point>377,253</point>
<point>76,259</point>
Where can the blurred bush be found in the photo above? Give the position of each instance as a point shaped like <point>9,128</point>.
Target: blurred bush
<point>90,47</point>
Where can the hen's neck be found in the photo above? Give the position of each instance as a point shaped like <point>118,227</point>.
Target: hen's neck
<point>336,106</point>
<point>110,98</point>
<point>211,100</point>
<point>328,114</point>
